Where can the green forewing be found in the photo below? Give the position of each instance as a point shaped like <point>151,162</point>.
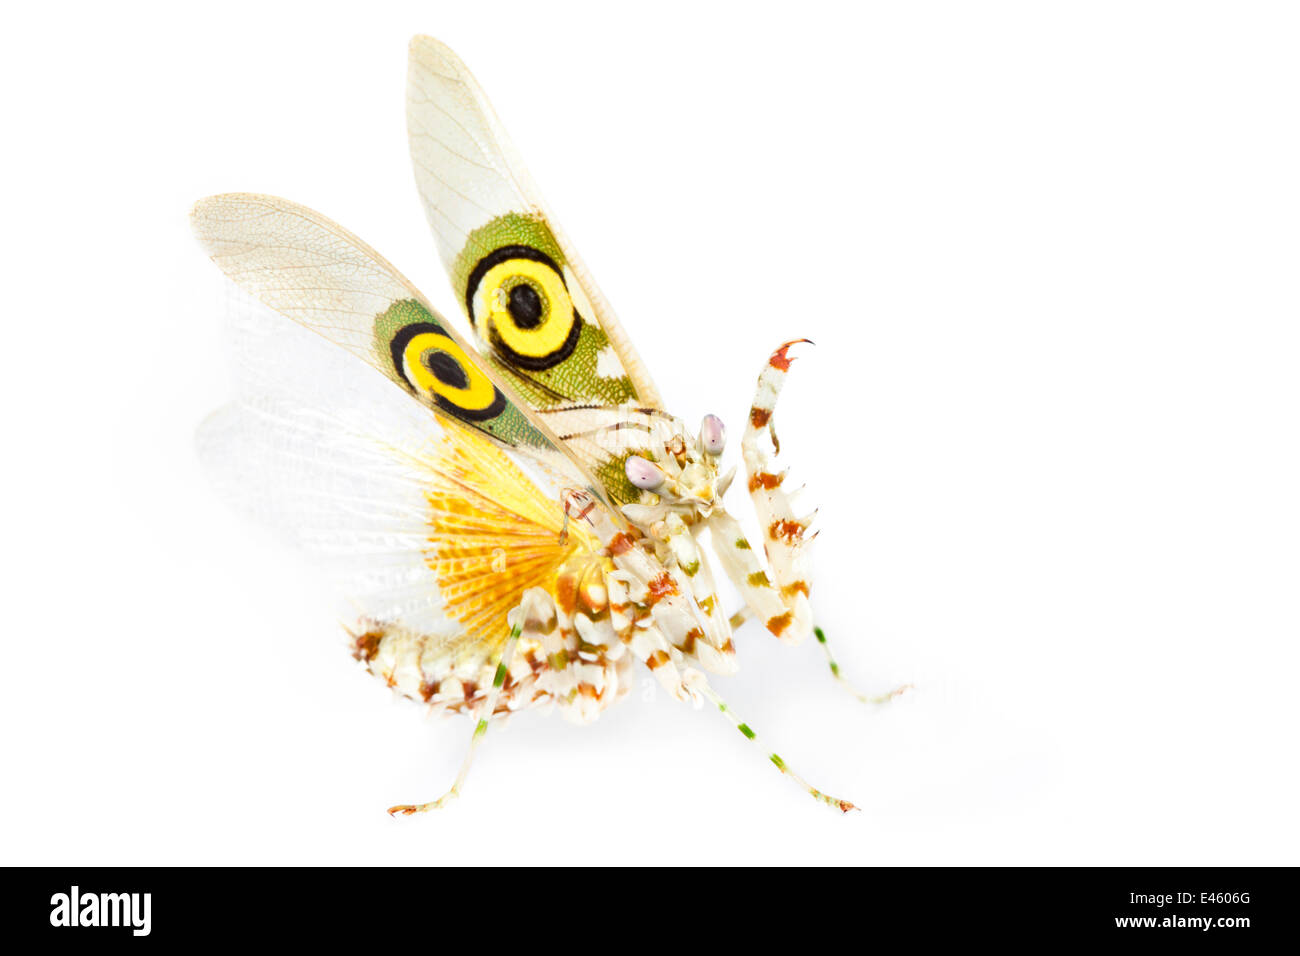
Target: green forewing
<point>421,356</point>
<point>535,310</point>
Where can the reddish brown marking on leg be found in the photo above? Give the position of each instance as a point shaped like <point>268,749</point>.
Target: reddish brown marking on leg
<point>566,594</point>
<point>765,479</point>
<point>657,660</point>
<point>779,623</point>
<point>790,590</point>
<point>688,642</point>
<point>366,646</point>
<point>427,690</point>
<point>621,544</point>
<point>780,360</point>
<point>660,587</point>
<point>787,529</point>
<point>758,417</point>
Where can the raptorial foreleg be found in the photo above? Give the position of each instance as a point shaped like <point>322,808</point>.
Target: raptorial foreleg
<point>643,638</point>
<point>784,541</point>
<point>745,569</point>
<point>709,644</point>
<point>782,531</point>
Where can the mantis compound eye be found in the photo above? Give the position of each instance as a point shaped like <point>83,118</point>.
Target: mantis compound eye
<point>713,435</point>
<point>642,473</point>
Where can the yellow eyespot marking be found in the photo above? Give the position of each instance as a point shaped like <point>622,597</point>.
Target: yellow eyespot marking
<point>435,366</point>
<point>520,303</point>
<point>527,304</point>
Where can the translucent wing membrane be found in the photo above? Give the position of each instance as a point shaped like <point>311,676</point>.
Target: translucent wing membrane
<point>428,532</point>
<point>541,319</point>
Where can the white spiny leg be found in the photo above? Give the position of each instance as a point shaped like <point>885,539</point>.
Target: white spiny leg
<point>710,645</point>
<point>745,569</point>
<point>649,645</point>
<point>675,620</point>
<point>782,531</point>
<point>783,534</point>
<point>776,759</point>
<point>535,610</point>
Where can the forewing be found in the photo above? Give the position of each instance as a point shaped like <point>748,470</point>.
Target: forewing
<point>319,274</point>
<point>316,272</point>
<point>533,305</point>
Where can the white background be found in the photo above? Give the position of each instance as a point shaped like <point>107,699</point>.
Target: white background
<point>1048,254</point>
